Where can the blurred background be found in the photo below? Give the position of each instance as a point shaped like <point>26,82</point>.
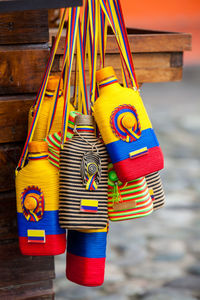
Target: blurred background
<point>158,257</point>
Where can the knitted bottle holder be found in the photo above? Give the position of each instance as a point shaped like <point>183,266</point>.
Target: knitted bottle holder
<point>127,132</point>
<point>83,202</point>
<point>86,255</point>
<point>37,208</point>
<point>127,200</point>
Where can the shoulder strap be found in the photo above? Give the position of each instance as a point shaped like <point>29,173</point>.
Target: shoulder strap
<point>41,93</point>
<point>73,26</point>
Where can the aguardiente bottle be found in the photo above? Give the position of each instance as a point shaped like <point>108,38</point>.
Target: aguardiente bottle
<point>46,110</point>
<point>37,193</point>
<point>83,178</point>
<point>125,128</point>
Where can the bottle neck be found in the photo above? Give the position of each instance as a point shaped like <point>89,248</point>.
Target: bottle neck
<point>50,94</point>
<point>109,84</point>
<point>84,130</point>
<point>35,157</point>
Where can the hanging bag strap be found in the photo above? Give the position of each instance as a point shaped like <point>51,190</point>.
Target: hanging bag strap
<point>122,33</point>
<point>124,48</point>
<point>56,98</point>
<point>73,27</point>
<point>93,15</point>
<point>103,28</point>
<point>40,95</point>
<point>82,77</point>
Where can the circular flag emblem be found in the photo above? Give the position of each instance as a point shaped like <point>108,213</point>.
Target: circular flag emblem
<point>32,201</point>
<point>125,123</point>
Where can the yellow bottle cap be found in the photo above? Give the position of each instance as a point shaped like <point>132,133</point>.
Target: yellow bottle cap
<point>37,147</point>
<point>30,203</point>
<point>104,73</point>
<point>53,83</point>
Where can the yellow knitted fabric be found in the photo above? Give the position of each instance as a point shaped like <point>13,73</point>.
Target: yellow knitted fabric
<point>41,174</point>
<point>112,96</point>
<point>41,127</point>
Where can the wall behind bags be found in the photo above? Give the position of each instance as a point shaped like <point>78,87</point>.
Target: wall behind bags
<point>171,15</point>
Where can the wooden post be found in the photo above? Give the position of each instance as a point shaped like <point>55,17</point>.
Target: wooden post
<point>24,52</point>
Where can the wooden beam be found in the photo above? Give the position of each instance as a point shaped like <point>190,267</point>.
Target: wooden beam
<point>143,41</point>
<point>42,290</point>
<point>149,67</point>
<point>9,157</point>
<point>22,68</point>
<point>24,27</point>
<point>20,5</point>
<point>20,269</point>
<point>14,117</point>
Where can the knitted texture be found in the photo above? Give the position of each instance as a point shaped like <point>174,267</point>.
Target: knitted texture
<point>54,141</point>
<point>156,190</point>
<point>86,255</point>
<point>127,201</point>
<point>37,208</point>
<point>73,191</point>
<point>41,127</point>
<point>127,132</point>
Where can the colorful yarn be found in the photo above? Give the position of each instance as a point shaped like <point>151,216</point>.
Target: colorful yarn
<point>129,133</point>
<point>37,208</point>
<point>54,140</point>
<point>126,130</point>
<point>72,188</point>
<point>101,85</point>
<point>50,94</point>
<point>32,201</point>
<point>41,93</point>
<point>86,255</point>
<point>141,165</point>
<point>89,205</point>
<point>41,127</point>
<point>36,236</point>
<point>156,190</point>
<point>90,169</point>
<point>129,200</point>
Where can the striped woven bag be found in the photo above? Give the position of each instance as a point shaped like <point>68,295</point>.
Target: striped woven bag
<point>127,200</point>
<point>156,190</point>
<point>83,179</point>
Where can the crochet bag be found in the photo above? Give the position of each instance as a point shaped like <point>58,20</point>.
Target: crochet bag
<point>156,190</point>
<point>127,200</point>
<point>86,256</point>
<point>83,179</point>
<point>37,181</point>
<point>37,205</point>
<point>126,129</point>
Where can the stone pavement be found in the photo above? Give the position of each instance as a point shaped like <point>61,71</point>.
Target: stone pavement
<point>158,257</point>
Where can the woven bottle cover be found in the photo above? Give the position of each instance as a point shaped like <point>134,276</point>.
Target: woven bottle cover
<point>126,130</point>
<point>73,17</point>
<point>37,205</point>
<point>156,190</point>
<point>37,147</point>
<point>86,255</point>
<point>83,179</point>
<point>127,200</point>
<point>104,74</point>
<point>54,141</point>
<point>53,83</point>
